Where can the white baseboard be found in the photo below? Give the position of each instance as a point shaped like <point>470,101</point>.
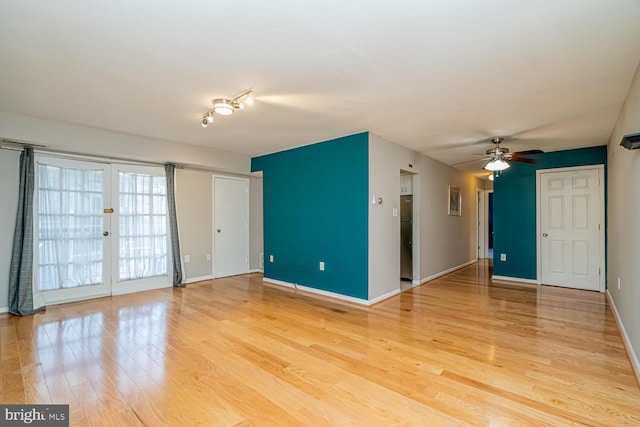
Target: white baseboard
<point>442,273</point>
<point>384,297</point>
<point>4,310</point>
<point>633,358</point>
<point>514,279</point>
<point>198,279</point>
<point>318,291</point>
<point>257,270</point>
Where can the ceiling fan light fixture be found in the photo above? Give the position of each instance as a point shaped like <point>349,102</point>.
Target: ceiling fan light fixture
<point>491,177</point>
<point>496,165</point>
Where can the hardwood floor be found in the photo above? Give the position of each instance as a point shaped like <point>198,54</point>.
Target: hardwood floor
<point>234,352</point>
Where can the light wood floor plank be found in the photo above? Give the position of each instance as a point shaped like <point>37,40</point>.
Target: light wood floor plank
<point>460,350</point>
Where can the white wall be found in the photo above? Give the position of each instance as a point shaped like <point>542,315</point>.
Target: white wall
<point>445,241</point>
<point>85,140</point>
<point>194,205</point>
<point>623,227</point>
<point>194,201</point>
<point>9,181</point>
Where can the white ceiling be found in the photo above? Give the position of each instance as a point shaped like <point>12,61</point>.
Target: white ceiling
<point>440,76</point>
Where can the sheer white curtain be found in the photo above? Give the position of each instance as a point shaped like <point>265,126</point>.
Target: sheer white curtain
<point>142,226</point>
<point>70,222</point>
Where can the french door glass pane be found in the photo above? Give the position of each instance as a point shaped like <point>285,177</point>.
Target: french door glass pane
<point>70,222</point>
<point>143,226</point>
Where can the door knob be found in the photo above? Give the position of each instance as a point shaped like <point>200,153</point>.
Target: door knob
<point>218,230</point>
<point>544,235</point>
<point>105,233</point>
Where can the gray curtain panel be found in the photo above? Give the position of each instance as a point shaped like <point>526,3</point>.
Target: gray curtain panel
<point>21,269</point>
<point>170,170</point>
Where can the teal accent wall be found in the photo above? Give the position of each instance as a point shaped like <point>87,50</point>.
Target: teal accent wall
<point>514,209</point>
<point>315,201</point>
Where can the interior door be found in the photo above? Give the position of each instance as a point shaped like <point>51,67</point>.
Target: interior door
<point>71,230</point>
<point>571,228</point>
<point>230,226</point>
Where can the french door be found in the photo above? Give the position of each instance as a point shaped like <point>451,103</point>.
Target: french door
<point>99,229</point>
<point>140,229</point>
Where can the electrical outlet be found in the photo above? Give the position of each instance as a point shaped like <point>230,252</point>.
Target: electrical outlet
<point>618,283</point>
<point>187,258</point>
<point>503,257</point>
<point>208,257</point>
<point>270,258</point>
<point>321,265</point>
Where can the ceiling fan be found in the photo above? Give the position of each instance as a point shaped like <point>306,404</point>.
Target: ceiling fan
<point>499,157</point>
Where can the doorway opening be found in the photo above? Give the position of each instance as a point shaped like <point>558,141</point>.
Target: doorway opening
<point>406,226</point>
<point>490,225</point>
<point>485,223</point>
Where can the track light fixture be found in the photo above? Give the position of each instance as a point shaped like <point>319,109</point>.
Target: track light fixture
<point>226,107</point>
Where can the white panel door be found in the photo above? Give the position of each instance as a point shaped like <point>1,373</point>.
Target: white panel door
<point>230,226</point>
<point>570,229</point>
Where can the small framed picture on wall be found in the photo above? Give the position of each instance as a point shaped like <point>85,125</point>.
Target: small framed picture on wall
<point>455,201</point>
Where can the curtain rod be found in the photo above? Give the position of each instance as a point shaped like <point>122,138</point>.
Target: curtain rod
<point>19,145</point>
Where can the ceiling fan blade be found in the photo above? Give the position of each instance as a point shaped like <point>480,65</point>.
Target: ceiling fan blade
<point>469,161</point>
<point>527,152</point>
<point>524,160</point>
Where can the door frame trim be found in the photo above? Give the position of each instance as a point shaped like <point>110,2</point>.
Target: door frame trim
<point>601,233</point>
